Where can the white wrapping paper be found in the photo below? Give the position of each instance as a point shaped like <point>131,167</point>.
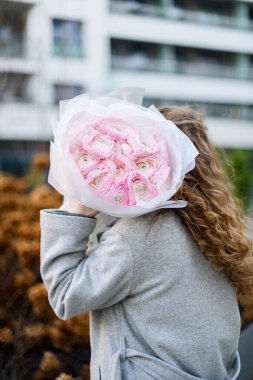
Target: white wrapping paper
<point>77,118</point>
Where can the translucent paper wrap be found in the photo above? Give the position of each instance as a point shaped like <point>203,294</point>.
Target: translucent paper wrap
<point>118,157</point>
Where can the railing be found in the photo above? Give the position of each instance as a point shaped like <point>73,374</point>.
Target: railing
<point>202,17</point>
<point>142,63</point>
<point>68,51</point>
<point>136,62</point>
<point>134,7</point>
<point>11,98</point>
<point>10,48</point>
<point>207,69</point>
<point>14,88</point>
<point>224,111</point>
<point>179,14</point>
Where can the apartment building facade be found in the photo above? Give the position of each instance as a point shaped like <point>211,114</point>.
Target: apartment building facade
<point>181,51</point>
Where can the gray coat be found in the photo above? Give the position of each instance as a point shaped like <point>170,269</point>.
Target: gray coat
<point>158,309</point>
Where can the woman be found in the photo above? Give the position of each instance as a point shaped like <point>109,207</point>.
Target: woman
<point>162,288</point>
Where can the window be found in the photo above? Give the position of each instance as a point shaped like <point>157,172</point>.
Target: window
<point>11,31</point>
<point>63,91</point>
<point>13,87</point>
<point>67,38</point>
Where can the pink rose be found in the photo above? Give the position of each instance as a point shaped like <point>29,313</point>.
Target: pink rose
<point>140,189</point>
<point>97,144</point>
<point>85,161</point>
<point>116,128</point>
<point>141,144</point>
<point>100,179</point>
<point>102,145</point>
<point>123,168</point>
<point>147,165</point>
<point>148,144</point>
<point>118,193</point>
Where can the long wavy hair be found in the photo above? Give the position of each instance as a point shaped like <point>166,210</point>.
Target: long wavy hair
<point>213,215</point>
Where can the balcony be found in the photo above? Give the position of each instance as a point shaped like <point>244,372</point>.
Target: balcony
<point>9,45</point>
<point>13,88</point>
<point>207,69</point>
<point>14,56</point>
<point>12,30</point>
<point>133,7</point>
<point>211,110</point>
<point>177,13</point>
<point>17,54</point>
<point>18,66</point>
<point>136,62</point>
<point>140,62</point>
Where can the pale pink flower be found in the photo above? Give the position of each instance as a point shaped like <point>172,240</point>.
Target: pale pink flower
<point>101,145</point>
<point>149,143</point>
<point>140,188</point>
<point>84,159</point>
<point>147,165</point>
<point>100,179</point>
<point>114,127</point>
<point>141,144</point>
<point>86,162</point>
<point>118,193</point>
<point>123,168</point>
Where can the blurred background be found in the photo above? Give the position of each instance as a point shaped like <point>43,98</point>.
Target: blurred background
<point>189,52</point>
<point>195,52</point>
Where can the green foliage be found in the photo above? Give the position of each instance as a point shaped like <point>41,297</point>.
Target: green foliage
<point>239,167</point>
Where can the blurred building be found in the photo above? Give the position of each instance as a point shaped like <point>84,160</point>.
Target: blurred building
<point>197,52</point>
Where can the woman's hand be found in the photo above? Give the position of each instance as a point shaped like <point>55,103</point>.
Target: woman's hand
<point>77,208</point>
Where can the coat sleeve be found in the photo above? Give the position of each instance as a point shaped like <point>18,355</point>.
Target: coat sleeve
<point>76,282</point>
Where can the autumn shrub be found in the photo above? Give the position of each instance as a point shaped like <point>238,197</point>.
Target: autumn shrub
<point>34,343</point>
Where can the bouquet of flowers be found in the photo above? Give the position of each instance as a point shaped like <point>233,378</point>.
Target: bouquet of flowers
<point>111,154</point>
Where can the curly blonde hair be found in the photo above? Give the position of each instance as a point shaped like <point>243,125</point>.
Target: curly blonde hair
<point>213,215</point>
